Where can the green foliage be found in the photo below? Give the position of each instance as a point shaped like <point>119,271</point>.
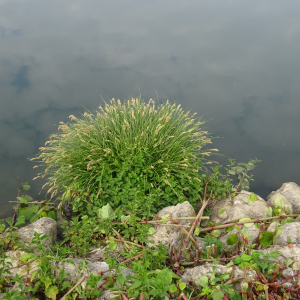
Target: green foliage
<point>139,155</point>
<point>241,170</point>
<point>264,262</point>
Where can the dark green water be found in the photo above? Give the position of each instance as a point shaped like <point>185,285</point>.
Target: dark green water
<point>235,62</point>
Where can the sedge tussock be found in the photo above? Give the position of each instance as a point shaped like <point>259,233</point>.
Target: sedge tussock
<point>125,149</point>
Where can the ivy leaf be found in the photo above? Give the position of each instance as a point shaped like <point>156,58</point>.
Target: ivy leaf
<point>51,292</point>
<point>203,281</point>
<point>232,239</point>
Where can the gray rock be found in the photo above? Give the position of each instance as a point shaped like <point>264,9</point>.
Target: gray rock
<point>291,191</point>
<point>191,276</point>
<point>287,205</point>
<point>288,230</point>
<point>108,295</point>
<point>47,226</point>
<point>273,226</point>
<point>14,259</point>
<point>169,235</point>
<point>287,252</point>
<point>253,233</point>
<point>237,208</point>
<point>288,272</point>
<point>75,273</point>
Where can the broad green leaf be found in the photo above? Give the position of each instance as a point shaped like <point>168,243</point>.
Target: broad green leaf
<point>296,266</point>
<point>173,288</point>
<point>47,281</point>
<point>66,284</point>
<point>136,284</point>
<point>182,286</point>
<point>197,230</point>
<point>23,200</point>
<point>221,211</point>
<point>52,215</point>
<point>51,292</point>
<point>20,221</point>
<point>243,265</point>
<point>216,233</point>
<point>113,245</point>
<point>121,279</point>
<point>247,200</point>
<point>246,234</point>
<point>246,257</point>
<point>269,211</point>
<point>279,202</point>
<point>266,238</point>
<point>151,231</point>
<point>232,239</point>
<point>203,281</point>
<point>288,261</point>
<point>27,257</point>
<point>253,197</point>
<point>217,295</point>
<point>278,231</point>
<point>237,260</point>
<point>106,212</point>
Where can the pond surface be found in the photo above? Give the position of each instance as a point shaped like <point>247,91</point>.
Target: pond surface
<point>235,62</point>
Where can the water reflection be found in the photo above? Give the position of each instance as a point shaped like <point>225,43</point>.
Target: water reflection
<point>237,63</point>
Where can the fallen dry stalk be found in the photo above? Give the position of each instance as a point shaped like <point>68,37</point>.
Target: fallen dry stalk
<point>248,221</point>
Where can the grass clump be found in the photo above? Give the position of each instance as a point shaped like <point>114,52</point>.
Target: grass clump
<point>141,156</point>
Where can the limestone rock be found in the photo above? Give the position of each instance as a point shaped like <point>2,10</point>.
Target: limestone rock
<point>47,226</point>
<point>170,235</point>
<point>291,191</point>
<point>237,208</point>
<point>288,230</point>
<point>191,276</point>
